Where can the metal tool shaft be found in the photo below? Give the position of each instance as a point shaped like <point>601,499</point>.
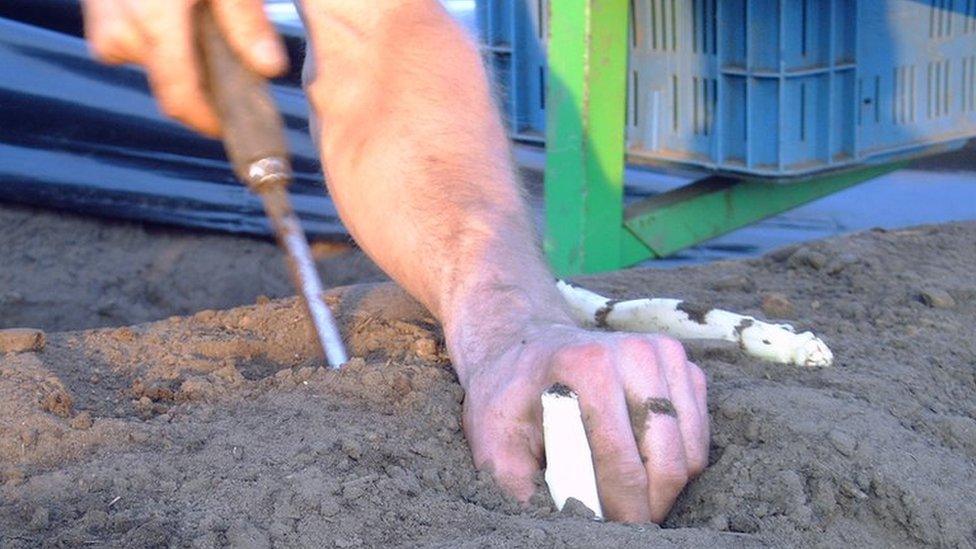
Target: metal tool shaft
<point>290,236</point>
<point>254,138</point>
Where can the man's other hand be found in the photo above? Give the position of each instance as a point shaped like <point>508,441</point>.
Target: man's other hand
<point>643,407</point>
<point>159,34</point>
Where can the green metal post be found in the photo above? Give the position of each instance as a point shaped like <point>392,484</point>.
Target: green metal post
<point>717,205</point>
<point>585,135</point>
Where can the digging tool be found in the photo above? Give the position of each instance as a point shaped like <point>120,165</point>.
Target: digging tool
<point>254,139</point>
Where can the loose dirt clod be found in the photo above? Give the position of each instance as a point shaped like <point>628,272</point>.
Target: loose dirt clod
<point>937,298</point>
<point>82,421</point>
<point>843,442</point>
<point>426,348</point>
<point>777,305</point>
<point>805,257</point>
<point>40,519</point>
<point>57,402</point>
<point>577,509</point>
<point>21,340</point>
<point>733,283</point>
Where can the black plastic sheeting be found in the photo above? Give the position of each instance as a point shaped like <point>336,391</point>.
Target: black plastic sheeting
<point>81,136</point>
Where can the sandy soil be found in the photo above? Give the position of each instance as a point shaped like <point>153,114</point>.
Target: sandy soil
<point>67,272</point>
<point>219,429</point>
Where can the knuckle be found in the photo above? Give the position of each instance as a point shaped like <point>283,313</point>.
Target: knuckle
<point>586,368</point>
<point>637,345</point>
<point>673,478</point>
<point>589,355</point>
<point>671,350</point>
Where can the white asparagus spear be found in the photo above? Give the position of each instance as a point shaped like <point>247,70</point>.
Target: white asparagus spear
<point>683,320</point>
<point>569,463</point>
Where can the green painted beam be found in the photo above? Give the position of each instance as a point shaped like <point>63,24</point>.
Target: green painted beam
<point>717,205</point>
<point>585,134</point>
<point>633,250</point>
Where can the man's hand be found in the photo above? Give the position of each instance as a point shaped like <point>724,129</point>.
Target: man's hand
<point>643,407</point>
<point>159,34</point>
<point>420,170</point>
<point>419,166</point>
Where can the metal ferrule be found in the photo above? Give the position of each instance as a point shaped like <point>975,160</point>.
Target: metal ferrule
<point>270,171</point>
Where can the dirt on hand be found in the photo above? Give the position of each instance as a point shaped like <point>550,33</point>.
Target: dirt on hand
<point>222,428</point>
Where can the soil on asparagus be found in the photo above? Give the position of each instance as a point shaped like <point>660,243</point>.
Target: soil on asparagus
<point>220,428</point>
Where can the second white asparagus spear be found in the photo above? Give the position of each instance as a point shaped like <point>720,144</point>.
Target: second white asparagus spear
<point>682,320</point>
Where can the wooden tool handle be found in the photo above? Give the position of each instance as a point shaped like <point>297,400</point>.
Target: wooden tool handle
<point>252,126</point>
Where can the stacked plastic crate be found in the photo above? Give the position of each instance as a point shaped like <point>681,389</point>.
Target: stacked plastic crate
<point>766,87</point>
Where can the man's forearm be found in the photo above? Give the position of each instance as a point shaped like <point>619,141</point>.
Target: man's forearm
<point>419,166</point>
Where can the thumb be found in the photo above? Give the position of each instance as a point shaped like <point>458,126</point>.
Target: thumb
<point>251,35</point>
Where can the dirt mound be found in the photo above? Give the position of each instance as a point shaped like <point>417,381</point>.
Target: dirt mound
<point>62,271</point>
<point>221,428</point>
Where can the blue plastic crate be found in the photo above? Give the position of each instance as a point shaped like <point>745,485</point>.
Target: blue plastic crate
<point>766,87</point>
